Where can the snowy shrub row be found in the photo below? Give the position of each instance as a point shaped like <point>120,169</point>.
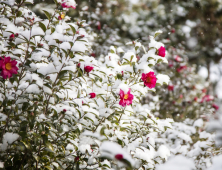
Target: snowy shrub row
<point>61,108</point>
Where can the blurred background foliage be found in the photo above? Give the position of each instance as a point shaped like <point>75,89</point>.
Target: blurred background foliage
<point>196,24</point>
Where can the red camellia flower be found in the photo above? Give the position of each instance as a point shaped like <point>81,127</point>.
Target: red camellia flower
<point>88,68</point>
<point>215,106</point>
<point>170,87</point>
<point>92,95</point>
<point>8,67</point>
<point>93,54</point>
<point>12,37</point>
<point>162,51</point>
<point>69,4</point>
<point>149,79</point>
<point>125,99</point>
<point>119,156</point>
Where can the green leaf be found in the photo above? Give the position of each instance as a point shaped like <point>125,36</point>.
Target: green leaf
<point>62,74</point>
<point>49,146</point>
<point>73,29</point>
<point>42,26</point>
<point>26,145</point>
<point>159,60</point>
<point>131,58</point>
<point>19,13</point>
<point>36,157</point>
<point>47,14</point>
<point>48,167</point>
<point>137,47</point>
<point>158,33</point>
<point>102,130</point>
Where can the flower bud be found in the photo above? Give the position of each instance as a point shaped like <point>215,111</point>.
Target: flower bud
<point>92,95</point>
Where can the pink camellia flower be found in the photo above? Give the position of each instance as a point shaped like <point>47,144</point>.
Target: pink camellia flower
<point>149,79</point>
<point>170,87</point>
<point>162,51</point>
<point>68,4</point>
<point>215,106</point>
<point>8,67</point>
<point>119,156</point>
<point>88,68</point>
<point>125,99</point>
<point>92,95</point>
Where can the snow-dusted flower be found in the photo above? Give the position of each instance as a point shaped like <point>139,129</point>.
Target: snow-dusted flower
<point>11,37</point>
<point>92,95</point>
<point>162,51</point>
<point>149,79</point>
<point>8,67</point>
<point>119,156</point>
<point>125,99</point>
<point>68,4</point>
<point>88,68</point>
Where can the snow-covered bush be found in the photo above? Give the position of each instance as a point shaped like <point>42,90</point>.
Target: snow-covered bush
<point>61,108</point>
<point>187,95</point>
<point>187,101</point>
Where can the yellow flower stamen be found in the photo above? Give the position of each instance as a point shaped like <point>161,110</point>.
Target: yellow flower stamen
<point>126,96</point>
<point>62,16</point>
<point>148,79</point>
<point>8,66</point>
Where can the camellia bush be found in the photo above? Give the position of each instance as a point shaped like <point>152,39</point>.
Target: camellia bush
<point>61,108</point>
<point>188,103</point>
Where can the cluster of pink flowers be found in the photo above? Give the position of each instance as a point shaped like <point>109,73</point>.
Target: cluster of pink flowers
<point>8,67</point>
<point>149,80</point>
